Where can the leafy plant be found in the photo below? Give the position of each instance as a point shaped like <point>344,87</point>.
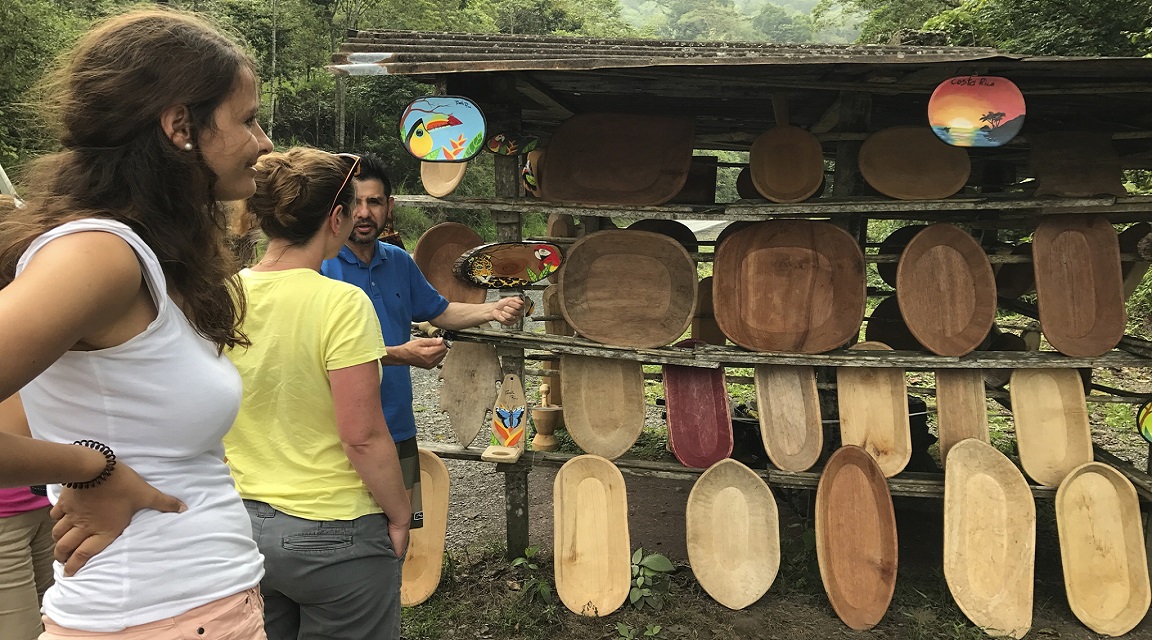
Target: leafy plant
<point>534,587</point>
<point>628,632</point>
<point>650,581</point>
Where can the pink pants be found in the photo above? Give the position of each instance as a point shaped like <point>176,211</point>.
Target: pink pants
<point>237,617</point>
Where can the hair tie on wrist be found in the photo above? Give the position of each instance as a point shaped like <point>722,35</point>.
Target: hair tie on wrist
<point>108,467</point>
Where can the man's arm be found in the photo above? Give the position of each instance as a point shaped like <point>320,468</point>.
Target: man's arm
<point>462,315</point>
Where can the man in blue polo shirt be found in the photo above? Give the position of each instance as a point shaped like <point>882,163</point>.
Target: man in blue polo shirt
<point>402,295</point>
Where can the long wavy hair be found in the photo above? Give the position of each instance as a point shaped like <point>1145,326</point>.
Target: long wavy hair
<point>105,100</point>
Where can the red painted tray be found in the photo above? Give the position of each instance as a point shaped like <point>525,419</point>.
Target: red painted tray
<point>699,420</point>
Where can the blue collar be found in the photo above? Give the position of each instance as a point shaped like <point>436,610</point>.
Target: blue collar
<point>378,256</point>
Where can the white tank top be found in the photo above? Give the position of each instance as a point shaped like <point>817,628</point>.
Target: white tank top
<point>162,401</point>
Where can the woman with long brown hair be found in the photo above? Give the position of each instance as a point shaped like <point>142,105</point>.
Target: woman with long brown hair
<point>117,303</point>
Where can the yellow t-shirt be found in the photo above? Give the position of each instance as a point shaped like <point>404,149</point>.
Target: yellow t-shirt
<point>284,448</point>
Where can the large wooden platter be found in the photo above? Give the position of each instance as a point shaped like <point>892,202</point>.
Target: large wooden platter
<point>946,290</point>
<point>961,408</point>
<point>657,306</point>
<point>786,164</point>
<point>1102,549</point>
<point>911,163</point>
<point>435,253</point>
<point>628,159</point>
<point>425,556</point>
<point>733,533</point>
<point>603,403</point>
<point>1079,289</point>
<point>856,538</point>
<point>789,285</point>
<point>1051,418</point>
<point>592,556</point>
<point>789,408</point>
<point>470,373</point>
<point>874,412</point>
<point>699,418</point>
<point>989,539</point>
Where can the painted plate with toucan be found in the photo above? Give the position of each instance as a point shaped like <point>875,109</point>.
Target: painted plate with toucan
<point>443,129</point>
<point>1144,420</point>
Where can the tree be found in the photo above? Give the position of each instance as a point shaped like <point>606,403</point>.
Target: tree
<point>882,19</point>
<point>779,24</point>
<point>703,20</point>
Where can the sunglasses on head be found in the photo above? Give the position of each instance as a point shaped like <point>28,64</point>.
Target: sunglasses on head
<point>353,171</point>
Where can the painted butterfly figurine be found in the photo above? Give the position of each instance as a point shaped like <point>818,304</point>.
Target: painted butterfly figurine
<point>508,427</point>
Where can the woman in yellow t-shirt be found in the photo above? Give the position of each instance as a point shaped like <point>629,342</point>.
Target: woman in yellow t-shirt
<point>310,451</point>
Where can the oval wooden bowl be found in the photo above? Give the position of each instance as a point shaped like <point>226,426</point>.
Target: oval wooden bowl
<point>874,412</point>
<point>946,290</point>
<point>1015,279</point>
<point>435,253</point>
<point>470,375</point>
<point>786,164</point>
<point>421,573</point>
<point>961,408</point>
<point>894,245</point>
<point>989,539</point>
<point>733,533</point>
<point>789,416</point>
<point>593,561</point>
<point>603,403</point>
<point>789,285</point>
<point>632,159</point>
<point>657,306</point>
<point>674,229</point>
<point>441,178</point>
<point>1079,289</point>
<point>911,163</point>
<point>699,418</point>
<point>1102,549</point>
<point>1051,418</point>
<point>887,325</point>
<point>704,327</point>
<point>856,538</point>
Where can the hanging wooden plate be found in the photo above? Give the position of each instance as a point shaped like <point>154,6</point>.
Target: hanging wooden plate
<point>946,290</point>
<point>1133,271</point>
<point>733,532</point>
<point>661,293</point>
<point>629,159</point>
<point>789,285</point>
<point>789,416</point>
<point>425,557</point>
<point>509,423</point>
<point>603,403</point>
<point>531,172</point>
<point>976,111</point>
<point>470,373</point>
<point>786,164</point>
<point>593,563</point>
<point>856,537</point>
<point>704,327</point>
<point>508,264</point>
<point>894,245</point>
<point>512,144</point>
<point>989,539</point>
<point>1051,419</point>
<point>674,229</point>
<point>1079,290</point>
<point>961,408</point>
<point>442,129</point>
<point>699,418</point>
<point>435,253</point>
<point>1015,279</point>
<point>886,325</point>
<point>874,411</point>
<point>1102,549</point>
<point>441,178</point>
<point>911,163</point>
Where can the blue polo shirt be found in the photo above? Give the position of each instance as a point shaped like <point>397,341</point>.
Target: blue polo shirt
<point>401,296</point>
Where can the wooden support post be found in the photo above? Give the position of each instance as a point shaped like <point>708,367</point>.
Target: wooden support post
<point>516,509</point>
<point>855,114</point>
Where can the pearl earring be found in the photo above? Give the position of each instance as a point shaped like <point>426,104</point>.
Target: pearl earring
<point>187,146</point>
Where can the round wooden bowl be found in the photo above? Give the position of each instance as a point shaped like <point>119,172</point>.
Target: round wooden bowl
<point>593,557</point>
<point>1079,287</point>
<point>911,163</point>
<point>1102,549</point>
<point>441,178</point>
<point>628,288</point>
<point>421,573</point>
<point>946,290</point>
<point>603,403</point>
<point>856,538</point>
<point>874,411</point>
<point>789,285</point>
<point>733,533</point>
<point>887,325</point>
<point>786,164</point>
<point>674,229</point>
<point>989,539</point>
<point>438,249</point>
<point>894,245</point>
<point>1051,418</point>
<point>790,426</point>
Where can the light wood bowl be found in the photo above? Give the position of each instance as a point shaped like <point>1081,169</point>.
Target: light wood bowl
<point>790,424</point>
<point>441,178</point>
<point>603,403</point>
<point>874,412</point>
<point>421,574</point>
<point>786,164</point>
<point>1051,417</point>
<point>961,408</point>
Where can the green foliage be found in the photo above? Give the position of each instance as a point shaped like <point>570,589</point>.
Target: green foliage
<point>779,24</point>
<point>882,18</point>
<point>630,633</point>
<point>534,587</point>
<point>650,581</point>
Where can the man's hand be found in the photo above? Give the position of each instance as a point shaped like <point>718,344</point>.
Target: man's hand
<point>507,311</point>
<point>398,533</point>
<point>425,353</point>
<point>88,520</point>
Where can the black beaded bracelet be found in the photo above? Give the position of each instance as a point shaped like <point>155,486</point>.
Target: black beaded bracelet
<point>108,468</point>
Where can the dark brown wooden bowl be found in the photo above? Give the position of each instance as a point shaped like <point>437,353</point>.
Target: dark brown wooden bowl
<point>435,253</point>
<point>786,164</point>
<point>911,163</point>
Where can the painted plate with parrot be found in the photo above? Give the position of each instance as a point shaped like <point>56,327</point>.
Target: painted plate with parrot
<point>443,129</point>
<point>508,264</point>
